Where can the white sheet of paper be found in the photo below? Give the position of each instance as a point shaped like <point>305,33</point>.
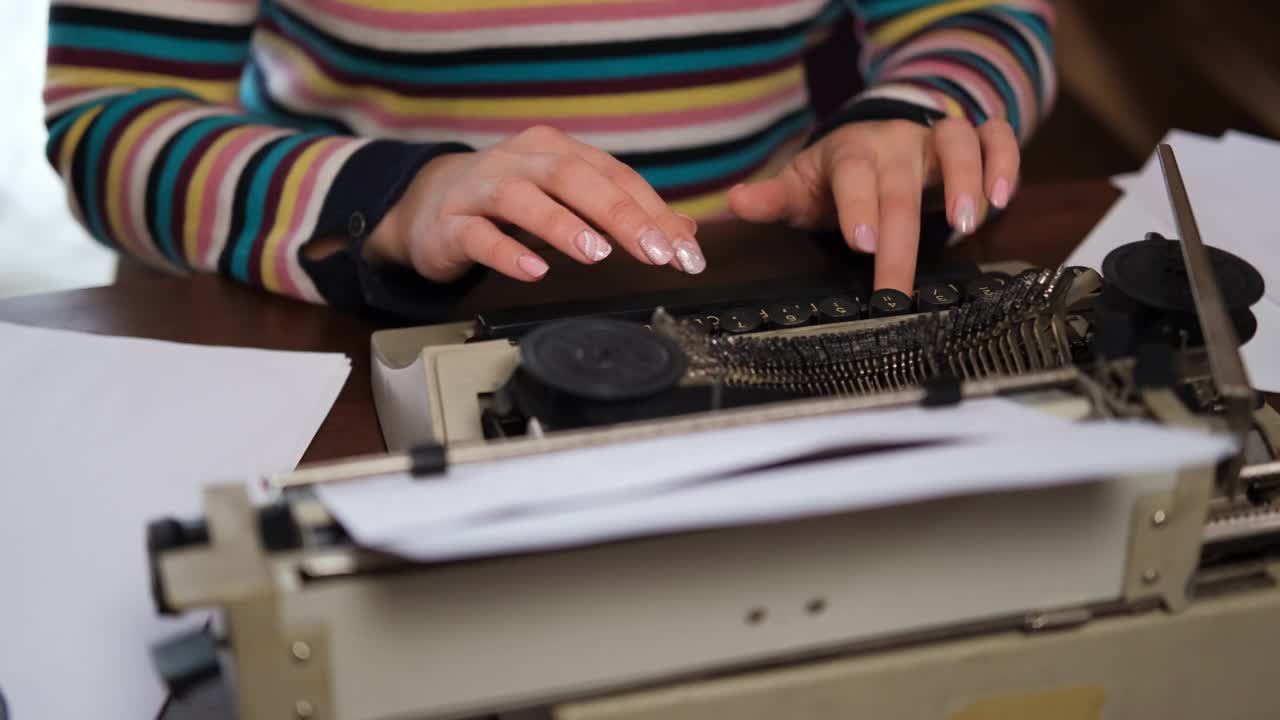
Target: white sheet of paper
<point>979,464</point>
<point>377,509</point>
<point>98,436</point>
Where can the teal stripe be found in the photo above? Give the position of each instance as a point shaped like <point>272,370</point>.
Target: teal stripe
<point>255,203</point>
<point>159,47</point>
<point>179,152</point>
<point>94,143</point>
<point>1035,24</point>
<point>576,69</point>
<point>700,171</point>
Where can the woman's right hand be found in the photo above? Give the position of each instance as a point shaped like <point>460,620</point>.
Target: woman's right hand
<point>544,182</point>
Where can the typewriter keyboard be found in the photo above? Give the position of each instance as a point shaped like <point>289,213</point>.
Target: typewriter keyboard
<point>738,311</point>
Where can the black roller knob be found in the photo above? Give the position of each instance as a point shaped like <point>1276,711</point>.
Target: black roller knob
<point>985,286</point>
<point>888,303</point>
<point>1152,272</point>
<point>741,320</point>
<point>788,315</point>
<point>600,359</point>
<point>939,296</point>
<point>839,308</point>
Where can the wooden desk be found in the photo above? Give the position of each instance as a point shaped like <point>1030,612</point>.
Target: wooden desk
<point>1042,226</point>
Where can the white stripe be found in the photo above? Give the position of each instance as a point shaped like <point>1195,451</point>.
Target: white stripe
<point>225,204</point>
<point>143,167</point>
<point>243,12</point>
<point>564,33</point>
<point>905,93</point>
<point>319,193</point>
<point>54,109</point>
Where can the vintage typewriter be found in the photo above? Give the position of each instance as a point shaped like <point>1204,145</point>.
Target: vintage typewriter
<point>1151,597</point>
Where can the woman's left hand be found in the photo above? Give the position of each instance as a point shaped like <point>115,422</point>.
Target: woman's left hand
<point>869,178</point>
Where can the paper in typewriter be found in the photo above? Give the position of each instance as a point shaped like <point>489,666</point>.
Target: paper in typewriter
<point>711,479</point>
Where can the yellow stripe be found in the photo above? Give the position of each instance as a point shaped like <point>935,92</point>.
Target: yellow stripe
<point>895,30</point>
<point>195,192</point>
<point>284,211</point>
<point>75,133</point>
<point>604,105</point>
<point>115,169</point>
<point>427,7</point>
<point>212,91</point>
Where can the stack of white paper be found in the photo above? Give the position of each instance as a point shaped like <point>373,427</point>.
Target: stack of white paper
<point>98,436</point>
<point>1231,182</point>
<point>717,478</point>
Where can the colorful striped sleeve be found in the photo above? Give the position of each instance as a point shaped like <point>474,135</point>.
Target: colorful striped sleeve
<point>160,160</point>
<point>961,58</point>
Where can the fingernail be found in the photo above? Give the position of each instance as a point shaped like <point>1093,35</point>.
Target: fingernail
<point>593,247</point>
<point>689,255</point>
<point>1000,193</point>
<point>864,237</point>
<point>693,224</point>
<point>965,214</point>
<point>657,247</point>
<point>532,264</point>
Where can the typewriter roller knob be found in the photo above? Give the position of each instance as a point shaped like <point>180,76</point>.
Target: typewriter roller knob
<point>935,297</point>
<point>1153,273</point>
<point>600,359</point>
<point>889,303</point>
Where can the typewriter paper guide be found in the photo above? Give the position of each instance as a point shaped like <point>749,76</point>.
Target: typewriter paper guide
<point>663,485</point>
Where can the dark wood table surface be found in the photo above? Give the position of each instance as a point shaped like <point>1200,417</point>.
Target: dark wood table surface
<point>1041,226</point>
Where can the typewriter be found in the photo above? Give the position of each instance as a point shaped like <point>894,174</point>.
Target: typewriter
<point>1152,597</point>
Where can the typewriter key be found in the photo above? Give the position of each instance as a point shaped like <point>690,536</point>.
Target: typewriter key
<point>839,308</point>
<point>939,296</point>
<point>740,320</point>
<point>888,303</point>
<point>985,287</point>
<point>785,315</point>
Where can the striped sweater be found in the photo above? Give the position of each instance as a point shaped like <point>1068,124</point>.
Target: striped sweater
<point>224,135</point>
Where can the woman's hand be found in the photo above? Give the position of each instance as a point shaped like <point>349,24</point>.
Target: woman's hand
<point>544,182</point>
<point>869,177</point>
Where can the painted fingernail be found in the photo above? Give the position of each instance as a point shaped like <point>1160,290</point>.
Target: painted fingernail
<point>693,224</point>
<point>689,255</point>
<point>532,264</point>
<point>864,237</point>
<point>593,247</point>
<point>657,247</point>
<point>1000,193</point>
<point>965,214</point>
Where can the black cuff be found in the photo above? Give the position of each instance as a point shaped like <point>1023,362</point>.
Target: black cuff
<point>367,187</point>
<point>875,109</point>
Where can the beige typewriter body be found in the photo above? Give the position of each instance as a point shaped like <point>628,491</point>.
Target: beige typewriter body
<point>1078,602</point>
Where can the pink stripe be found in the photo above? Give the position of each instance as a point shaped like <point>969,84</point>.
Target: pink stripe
<point>290,242</point>
<point>418,21</point>
<point>1013,73</point>
<point>213,183</point>
<point>132,235</point>
<point>974,82</point>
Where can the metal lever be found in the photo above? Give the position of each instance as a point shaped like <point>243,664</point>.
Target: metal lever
<point>1221,342</point>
